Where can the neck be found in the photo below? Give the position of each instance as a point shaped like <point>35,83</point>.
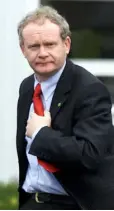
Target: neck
<point>45,77</point>
<point>41,78</point>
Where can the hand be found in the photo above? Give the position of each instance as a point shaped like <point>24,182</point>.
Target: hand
<point>36,122</point>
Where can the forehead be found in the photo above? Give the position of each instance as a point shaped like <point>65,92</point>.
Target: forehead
<point>47,30</point>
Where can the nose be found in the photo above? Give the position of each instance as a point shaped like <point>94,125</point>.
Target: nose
<point>42,52</point>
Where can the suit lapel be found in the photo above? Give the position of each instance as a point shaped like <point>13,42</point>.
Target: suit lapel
<point>24,103</point>
<point>62,90</point>
<point>61,94</point>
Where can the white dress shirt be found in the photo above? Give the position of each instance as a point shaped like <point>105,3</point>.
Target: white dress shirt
<point>37,178</point>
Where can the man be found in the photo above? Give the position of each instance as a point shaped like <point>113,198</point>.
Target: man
<point>64,122</point>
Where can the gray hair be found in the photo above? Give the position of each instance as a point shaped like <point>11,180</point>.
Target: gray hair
<point>39,16</point>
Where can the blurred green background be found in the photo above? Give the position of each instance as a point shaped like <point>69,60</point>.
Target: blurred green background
<point>8,196</point>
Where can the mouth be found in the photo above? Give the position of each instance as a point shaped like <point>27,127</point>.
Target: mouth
<point>43,63</point>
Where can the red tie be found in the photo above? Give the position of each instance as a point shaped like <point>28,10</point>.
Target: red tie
<point>38,108</point>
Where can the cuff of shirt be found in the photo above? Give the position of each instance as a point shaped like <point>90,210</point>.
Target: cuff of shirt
<point>35,133</point>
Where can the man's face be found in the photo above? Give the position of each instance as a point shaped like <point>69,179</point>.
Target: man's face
<point>44,48</point>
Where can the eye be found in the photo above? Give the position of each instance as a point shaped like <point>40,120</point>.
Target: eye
<point>34,47</point>
<point>50,44</point>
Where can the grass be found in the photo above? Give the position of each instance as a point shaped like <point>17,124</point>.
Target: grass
<point>8,196</point>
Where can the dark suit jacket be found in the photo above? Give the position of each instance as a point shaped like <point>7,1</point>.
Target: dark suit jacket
<point>80,140</point>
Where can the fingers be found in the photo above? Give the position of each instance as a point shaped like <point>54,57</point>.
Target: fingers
<point>31,114</point>
<point>47,114</point>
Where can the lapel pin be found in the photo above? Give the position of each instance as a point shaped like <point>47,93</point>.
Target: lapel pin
<point>59,104</point>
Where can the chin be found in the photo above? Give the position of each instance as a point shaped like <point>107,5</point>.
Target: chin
<point>45,70</point>
<point>46,73</point>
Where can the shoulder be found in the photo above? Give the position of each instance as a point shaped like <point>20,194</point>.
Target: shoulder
<point>26,84</point>
<point>82,76</point>
<point>84,82</point>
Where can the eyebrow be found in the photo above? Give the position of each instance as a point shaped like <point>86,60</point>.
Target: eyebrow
<point>45,43</point>
<point>33,45</point>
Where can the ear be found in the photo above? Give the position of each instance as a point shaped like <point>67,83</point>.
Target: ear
<point>67,44</point>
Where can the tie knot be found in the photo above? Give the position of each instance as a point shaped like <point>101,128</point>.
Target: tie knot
<point>37,90</point>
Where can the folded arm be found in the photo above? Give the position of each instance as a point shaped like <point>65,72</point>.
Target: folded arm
<point>90,137</point>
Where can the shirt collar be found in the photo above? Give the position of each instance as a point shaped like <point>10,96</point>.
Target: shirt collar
<point>49,85</point>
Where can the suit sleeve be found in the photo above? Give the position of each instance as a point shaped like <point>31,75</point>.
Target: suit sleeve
<point>91,133</point>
